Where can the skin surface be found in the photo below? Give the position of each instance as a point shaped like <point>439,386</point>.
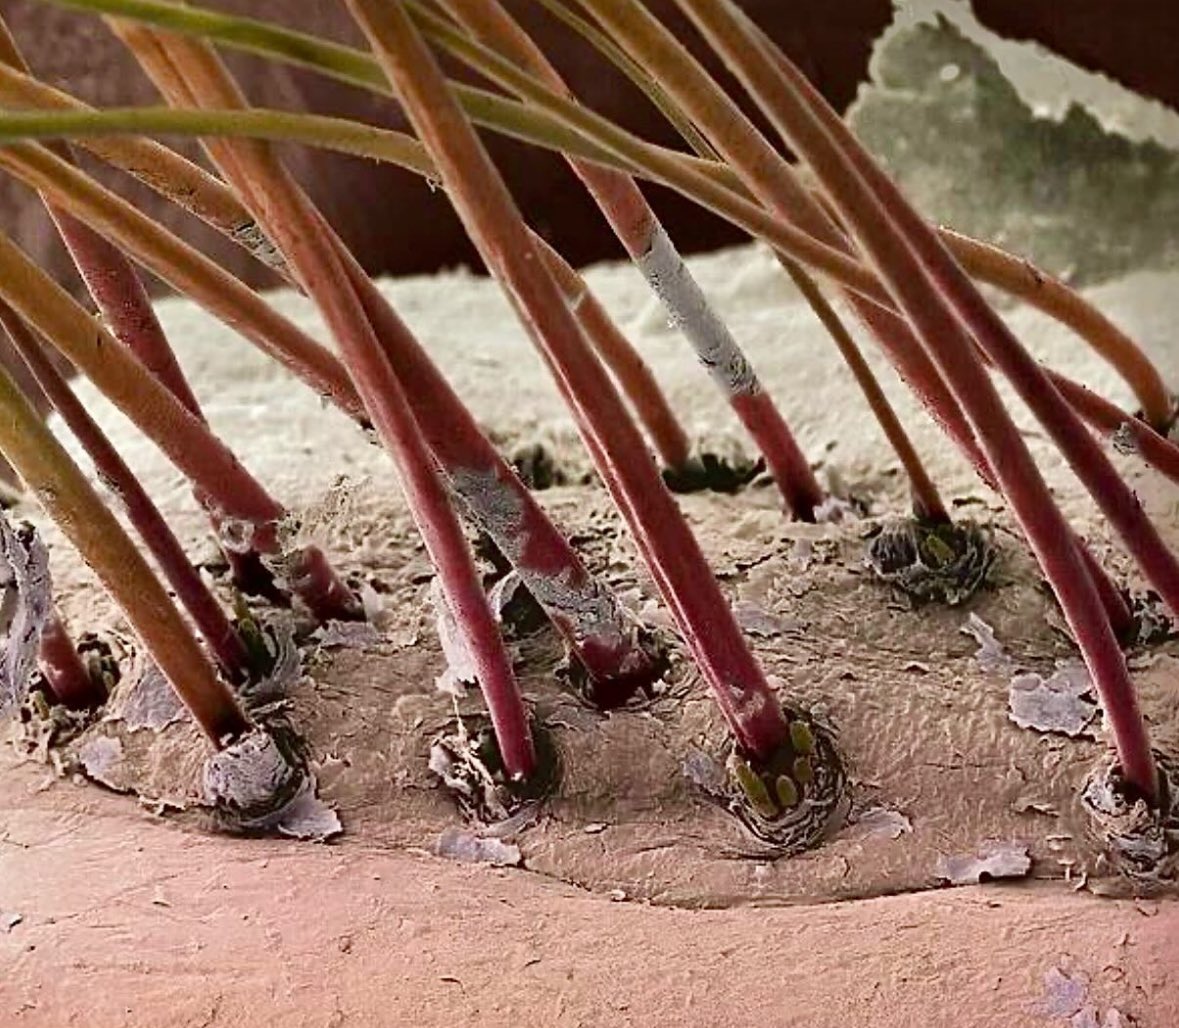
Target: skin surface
<point>215,931</point>
<point>641,903</point>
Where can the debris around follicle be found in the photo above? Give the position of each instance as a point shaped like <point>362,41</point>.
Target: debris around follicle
<point>469,765</point>
<point>1140,841</point>
<point>514,607</point>
<point>261,783</point>
<point>44,728</point>
<point>1153,623</point>
<point>537,467</point>
<point>279,663</point>
<point>791,801</point>
<point>25,604</point>
<point>626,691</point>
<point>944,563</point>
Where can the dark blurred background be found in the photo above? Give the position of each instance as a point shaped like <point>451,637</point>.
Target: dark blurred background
<point>398,226</point>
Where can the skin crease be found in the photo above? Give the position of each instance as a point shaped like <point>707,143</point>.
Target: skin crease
<point>78,53</point>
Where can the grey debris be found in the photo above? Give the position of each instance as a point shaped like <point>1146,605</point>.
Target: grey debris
<point>462,844</point>
<point>1064,994</point>
<point>803,553</point>
<point>1034,805</point>
<point>308,817</point>
<point>145,699</point>
<point>832,510</point>
<point>993,860</point>
<point>10,919</point>
<point>1152,619</point>
<point>373,604</point>
<point>261,783</point>
<point>503,592</point>
<point>523,818</point>
<point>24,608</point>
<point>881,823</point>
<point>1057,703</point>
<point>443,763</point>
<point>286,668</point>
<point>255,775</point>
<point>1141,842</point>
<point>705,772</point>
<point>1123,439</point>
<point>991,656</point>
<point>460,670</point>
<point>101,758</point>
<point>456,759</point>
<point>756,620</point>
<point>346,635</point>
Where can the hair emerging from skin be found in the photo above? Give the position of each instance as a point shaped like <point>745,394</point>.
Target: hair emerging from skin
<point>910,286</point>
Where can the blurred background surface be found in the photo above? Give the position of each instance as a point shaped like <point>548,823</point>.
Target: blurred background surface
<point>398,226</point>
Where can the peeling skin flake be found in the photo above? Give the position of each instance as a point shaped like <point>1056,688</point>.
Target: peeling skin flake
<point>460,844</point>
<point>1057,703</point>
<point>993,860</point>
<point>346,634</point>
<point>990,656</point>
<point>24,577</point>
<point>101,758</point>
<point>881,822</point>
<point>1053,704</point>
<point>1066,996</point>
<point>461,670</point>
<point>145,699</point>
<point>308,817</point>
<point>756,620</point>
